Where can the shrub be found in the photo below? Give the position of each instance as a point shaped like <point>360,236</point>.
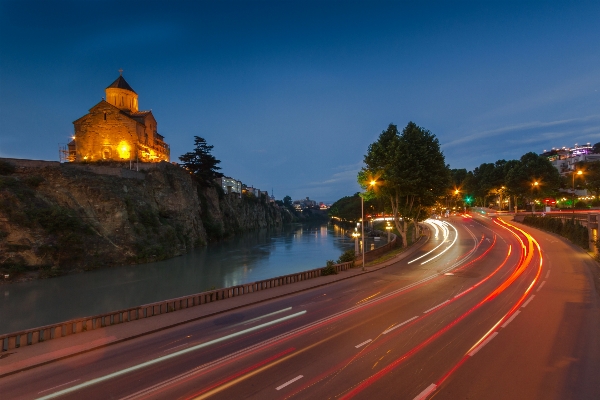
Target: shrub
<point>569,229</point>
<point>347,256</point>
<point>6,168</point>
<point>329,269</point>
<point>33,181</point>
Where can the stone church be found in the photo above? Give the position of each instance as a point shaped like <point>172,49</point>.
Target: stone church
<point>114,129</point>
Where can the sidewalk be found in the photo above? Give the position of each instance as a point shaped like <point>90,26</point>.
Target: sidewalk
<point>27,357</point>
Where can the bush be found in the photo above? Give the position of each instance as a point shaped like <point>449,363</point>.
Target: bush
<point>6,168</point>
<point>580,205</point>
<point>329,269</point>
<point>347,256</point>
<point>33,181</point>
<point>569,229</point>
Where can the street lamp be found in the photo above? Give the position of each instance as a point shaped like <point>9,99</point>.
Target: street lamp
<point>573,194</point>
<point>389,229</point>
<point>362,213</point>
<point>533,186</point>
<point>355,235</point>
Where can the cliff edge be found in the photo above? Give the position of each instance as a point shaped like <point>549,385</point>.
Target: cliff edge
<point>59,218</point>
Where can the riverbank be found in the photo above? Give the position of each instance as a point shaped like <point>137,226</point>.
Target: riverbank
<point>29,356</point>
<point>58,219</point>
<point>244,258</point>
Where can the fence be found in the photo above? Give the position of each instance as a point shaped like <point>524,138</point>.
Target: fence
<point>376,253</point>
<point>36,335</point>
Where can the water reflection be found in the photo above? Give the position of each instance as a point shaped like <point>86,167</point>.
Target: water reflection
<point>245,258</point>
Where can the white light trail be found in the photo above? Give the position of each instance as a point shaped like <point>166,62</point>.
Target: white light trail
<point>167,357</point>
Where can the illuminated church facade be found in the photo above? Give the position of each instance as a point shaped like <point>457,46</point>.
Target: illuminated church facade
<point>115,130</point>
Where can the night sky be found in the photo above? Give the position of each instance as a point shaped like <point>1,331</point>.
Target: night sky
<point>291,93</point>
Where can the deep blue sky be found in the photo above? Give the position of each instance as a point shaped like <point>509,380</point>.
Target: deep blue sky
<point>291,93</point>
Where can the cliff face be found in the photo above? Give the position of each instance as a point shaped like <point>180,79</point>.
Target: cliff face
<point>56,218</point>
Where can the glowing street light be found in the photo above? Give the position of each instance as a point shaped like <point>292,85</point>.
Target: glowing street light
<point>355,235</point>
<point>533,186</point>
<point>579,173</point>
<point>362,215</point>
<point>389,230</point>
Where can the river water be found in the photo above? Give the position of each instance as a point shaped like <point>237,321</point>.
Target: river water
<point>245,258</point>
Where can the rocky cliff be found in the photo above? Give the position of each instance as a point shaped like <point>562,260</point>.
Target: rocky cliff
<point>58,218</point>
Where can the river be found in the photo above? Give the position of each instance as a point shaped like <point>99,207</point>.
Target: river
<point>245,258</point>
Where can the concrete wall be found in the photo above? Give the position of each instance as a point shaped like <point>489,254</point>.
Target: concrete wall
<point>44,333</point>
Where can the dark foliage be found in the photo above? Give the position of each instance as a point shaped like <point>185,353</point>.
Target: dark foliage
<point>569,229</point>
<point>201,164</point>
<point>6,168</point>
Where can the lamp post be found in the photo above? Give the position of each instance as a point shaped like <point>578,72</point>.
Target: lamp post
<point>533,186</point>
<point>573,194</point>
<point>355,235</point>
<point>362,223</point>
<point>389,229</point>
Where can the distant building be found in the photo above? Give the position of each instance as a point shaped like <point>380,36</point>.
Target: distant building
<point>114,129</point>
<point>230,185</point>
<point>565,159</point>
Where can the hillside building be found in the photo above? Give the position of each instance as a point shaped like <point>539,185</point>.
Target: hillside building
<point>115,129</point>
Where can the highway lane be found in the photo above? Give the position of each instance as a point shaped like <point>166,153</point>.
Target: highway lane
<point>325,356</point>
<point>551,350</point>
<point>121,358</point>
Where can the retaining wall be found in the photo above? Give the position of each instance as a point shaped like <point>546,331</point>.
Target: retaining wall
<point>28,337</point>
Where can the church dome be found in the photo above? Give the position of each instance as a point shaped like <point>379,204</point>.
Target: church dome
<point>121,95</point>
<point>121,83</point>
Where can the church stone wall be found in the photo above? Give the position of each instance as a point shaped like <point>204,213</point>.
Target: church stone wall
<point>106,134</point>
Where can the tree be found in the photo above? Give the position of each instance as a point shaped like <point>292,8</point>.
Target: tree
<point>592,177</point>
<point>521,176</point>
<point>287,201</point>
<point>201,164</point>
<point>410,172</point>
<point>346,209</point>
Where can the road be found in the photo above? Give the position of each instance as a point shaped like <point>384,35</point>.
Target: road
<point>483,311</point>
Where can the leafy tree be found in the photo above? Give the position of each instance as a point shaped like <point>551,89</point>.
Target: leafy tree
<point>410,172</point>
<point>458,177</point>
<point>592,177</point>
<point>201,164</point>
<point>287,201</point>
<point>485,181</point>
<point>346,209</point>
<point>522,175</point>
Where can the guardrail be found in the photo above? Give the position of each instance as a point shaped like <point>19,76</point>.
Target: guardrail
<point>32,336</point>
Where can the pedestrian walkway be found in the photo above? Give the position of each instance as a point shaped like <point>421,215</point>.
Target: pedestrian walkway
<point>28,357</point>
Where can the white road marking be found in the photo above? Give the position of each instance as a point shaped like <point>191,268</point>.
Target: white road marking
<point>508,321</point>
<point>486,341</point>
<point>399,325</point>
<point>428,390</point>
<point>548,274</point>
<point>528,300</point>
<point>290,382</point>
<point>167,357</point>
<point>57,386</point>
<point>433,308</point>
<point>463,292</point>
<point>171,348</point>
<point>541,285</point>
<point>363,343</point>
<point>266,315</point>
